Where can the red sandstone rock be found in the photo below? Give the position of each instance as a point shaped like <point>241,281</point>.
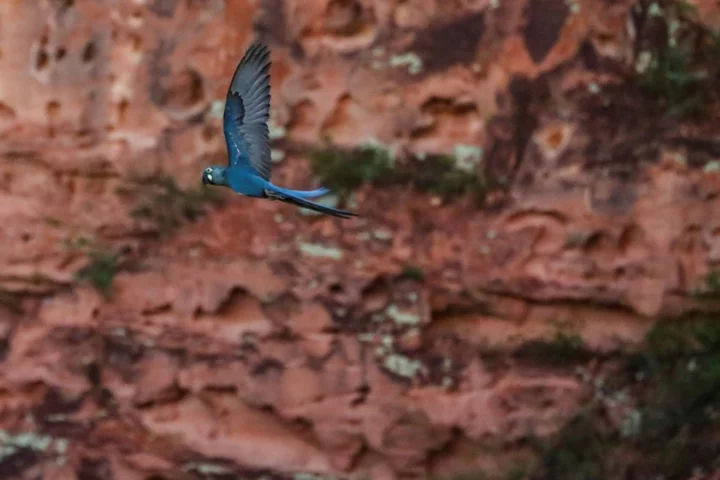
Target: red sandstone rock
<point>285,343</point>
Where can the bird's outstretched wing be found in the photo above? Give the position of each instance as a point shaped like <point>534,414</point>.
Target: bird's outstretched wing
<point>247,109</point>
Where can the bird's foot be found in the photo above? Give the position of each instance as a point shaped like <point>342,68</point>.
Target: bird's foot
<point>272,195</point>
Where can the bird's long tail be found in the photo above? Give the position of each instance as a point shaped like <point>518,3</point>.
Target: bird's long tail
<point>291,197</point>
<point>318,192</point>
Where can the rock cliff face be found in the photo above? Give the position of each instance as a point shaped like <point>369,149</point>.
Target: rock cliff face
<point>154,330</point>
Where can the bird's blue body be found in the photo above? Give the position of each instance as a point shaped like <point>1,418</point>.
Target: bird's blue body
<point>247,109</point>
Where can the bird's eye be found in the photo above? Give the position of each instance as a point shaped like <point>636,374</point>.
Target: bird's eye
<point>208,170</point>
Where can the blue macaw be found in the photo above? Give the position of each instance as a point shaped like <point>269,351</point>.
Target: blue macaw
<point>247,109</point>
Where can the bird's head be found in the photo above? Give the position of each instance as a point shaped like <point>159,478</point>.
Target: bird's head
<point>213,176</point>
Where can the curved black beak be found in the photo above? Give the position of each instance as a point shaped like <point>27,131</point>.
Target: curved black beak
<point>205,180</point>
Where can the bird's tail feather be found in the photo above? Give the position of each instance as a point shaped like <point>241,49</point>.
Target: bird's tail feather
<point>287,197</point>
<point>318,192</point>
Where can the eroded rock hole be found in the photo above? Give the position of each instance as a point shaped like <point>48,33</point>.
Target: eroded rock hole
<point>52,109</point>
<point>7,113</point>
<point>42,60</point>
<point>122,110</point>
<point>193,81</point>
<point>89,52</point>
<point>344,17</point>
<point>137,43</point>
<point>183,90</point>
<point>163,8</point>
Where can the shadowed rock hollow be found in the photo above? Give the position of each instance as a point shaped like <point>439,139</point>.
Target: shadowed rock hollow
<point>151,329</point>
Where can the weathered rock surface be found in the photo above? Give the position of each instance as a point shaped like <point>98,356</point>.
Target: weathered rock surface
<point>260,342</point>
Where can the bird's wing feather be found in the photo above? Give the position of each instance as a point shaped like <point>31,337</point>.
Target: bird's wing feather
<point>247,109</point>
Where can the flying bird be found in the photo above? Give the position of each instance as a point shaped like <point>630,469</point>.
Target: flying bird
<point>247,109</point>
